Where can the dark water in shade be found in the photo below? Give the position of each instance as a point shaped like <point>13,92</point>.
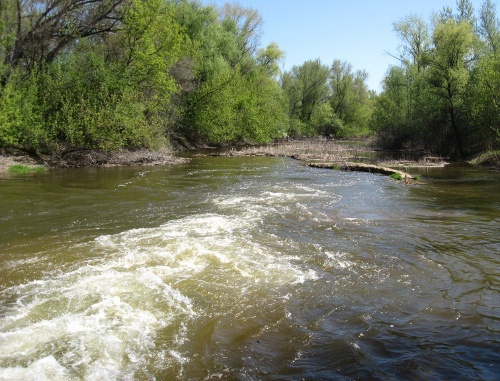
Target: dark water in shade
<point>249,269</point>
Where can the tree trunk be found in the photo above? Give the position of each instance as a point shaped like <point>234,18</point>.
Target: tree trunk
<point>456,131</point>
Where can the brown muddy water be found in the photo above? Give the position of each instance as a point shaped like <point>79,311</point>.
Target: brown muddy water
<point>249,269</point>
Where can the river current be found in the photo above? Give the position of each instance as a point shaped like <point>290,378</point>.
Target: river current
<point>249,269</point>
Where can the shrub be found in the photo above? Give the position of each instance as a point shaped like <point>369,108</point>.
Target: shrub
<point>396,176</point>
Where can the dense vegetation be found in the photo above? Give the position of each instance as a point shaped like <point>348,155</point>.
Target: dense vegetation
<point>112,74</point>
<point>444,95</point>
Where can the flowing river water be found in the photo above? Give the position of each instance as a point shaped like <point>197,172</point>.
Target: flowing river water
<point>252,268</point>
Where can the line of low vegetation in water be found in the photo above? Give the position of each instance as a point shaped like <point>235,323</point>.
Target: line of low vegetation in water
<point>329,154</point>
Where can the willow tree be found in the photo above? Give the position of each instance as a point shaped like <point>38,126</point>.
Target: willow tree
<point>307,89</point>
<point>233,95</point>
<point>484,97</point>
<point>349,99</point>
<point>450,60</point>
<point>406,108</point>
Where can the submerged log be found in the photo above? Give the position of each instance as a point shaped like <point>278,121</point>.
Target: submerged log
<point>362,167</point>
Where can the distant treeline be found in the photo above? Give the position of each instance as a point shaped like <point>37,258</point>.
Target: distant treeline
<point>114,74</point>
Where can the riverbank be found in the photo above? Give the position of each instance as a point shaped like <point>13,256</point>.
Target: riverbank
<point>310,151</point>
<point>7,161</point>
<point>490,159</point>
<point>89,158</point>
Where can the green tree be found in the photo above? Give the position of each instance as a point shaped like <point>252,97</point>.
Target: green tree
<point>405,109</point>
<point>21,117</point>
<point>449,72</point>
<point>43,29</point>
<point>416,41</point>
<point>489,27</point>
<point>483,98</point>
<point>233,95</point>
<point>84,95</point>
<point>270,58</point>
<point>307,88</point>
<point>444,96</point>
<point>391,119</point>
<point>349,100</point>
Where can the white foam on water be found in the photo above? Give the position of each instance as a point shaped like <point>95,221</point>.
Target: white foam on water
<point>46,368</point>
<point>100,321</point>
<point>338,260</point>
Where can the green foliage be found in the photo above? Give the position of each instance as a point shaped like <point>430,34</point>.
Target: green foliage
<point>328,100</point>
<point>234,108</point>
<point>396,176</point>
<point>152,44</point>
<point>21,115</point>
<point>270,58</point>
<point>91,104</point>
<point>444,96</point>
<point>234,96</point>
<point>115,74</point>
<point>350,100</point>
<point>20,169</point>
<point>484,102</point>
<point>102,94</point>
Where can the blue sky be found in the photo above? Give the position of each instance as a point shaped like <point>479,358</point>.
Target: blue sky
<point>356,31</point>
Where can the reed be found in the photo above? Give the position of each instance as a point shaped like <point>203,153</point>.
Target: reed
<point>307,150</point>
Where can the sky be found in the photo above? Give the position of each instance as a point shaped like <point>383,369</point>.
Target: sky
<point>357,31</point>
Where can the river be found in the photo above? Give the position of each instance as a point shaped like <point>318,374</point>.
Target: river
<point>249,268</point>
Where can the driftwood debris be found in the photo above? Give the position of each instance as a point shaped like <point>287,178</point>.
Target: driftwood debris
<point>362,167</point>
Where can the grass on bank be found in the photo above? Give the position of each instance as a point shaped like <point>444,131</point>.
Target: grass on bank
<point>396,176</point>
<point>20,169</point>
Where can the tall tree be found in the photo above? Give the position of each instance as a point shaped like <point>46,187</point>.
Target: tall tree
<point>234,96</point>
<point>416,41</point>
<point>349,99</point>
<point>246,24</point>
<point>489,27</point>
<point>270,58</point>
<point>465,12</point>
<point>450,63</point>
<point>307,87</point>
<point>45,28</point>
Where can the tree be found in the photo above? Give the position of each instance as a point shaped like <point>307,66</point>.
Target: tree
<point>233,93</point>
<point>465,12</point>
<point>484,101</point>
<point>306,87</point>
<point>444,95</point>
<point>45,28</point>
<point>489,27</point>
<point>246,24</point>
<point>270,58</point>
<point>79,93</point>
<point>390,118</point>
<point>416,41</point>
<point>449,75</point>
<point>483,95</point>
<point>349,99</point>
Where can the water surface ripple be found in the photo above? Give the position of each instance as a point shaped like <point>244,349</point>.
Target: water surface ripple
<point>249,269</point>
